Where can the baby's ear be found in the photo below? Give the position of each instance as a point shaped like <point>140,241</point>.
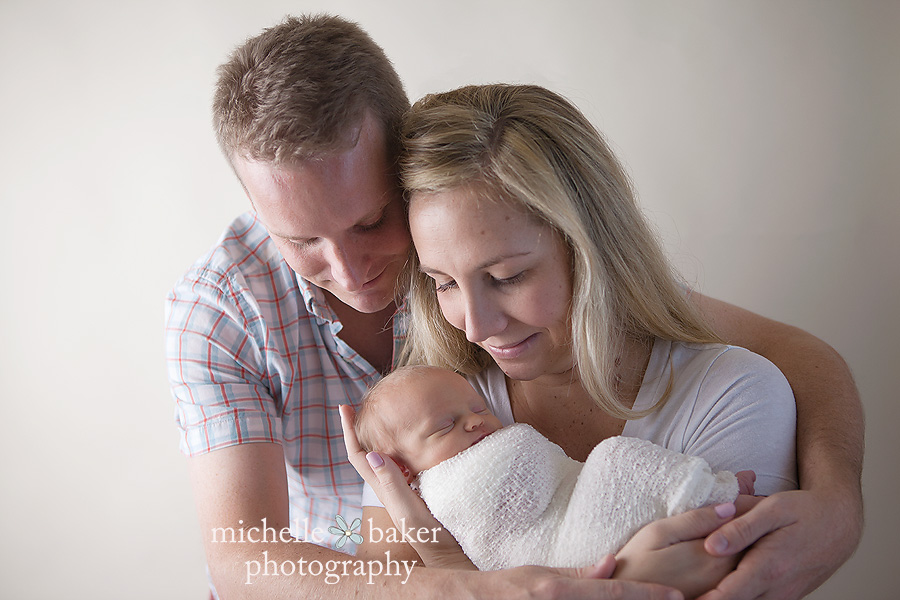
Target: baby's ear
<point>403,468</point>
<point>406,472</point>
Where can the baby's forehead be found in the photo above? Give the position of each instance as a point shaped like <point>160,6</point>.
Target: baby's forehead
<point>420,378</point>
<point>400,398</point>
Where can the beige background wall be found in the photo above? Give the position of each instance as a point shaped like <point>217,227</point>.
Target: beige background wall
<point>763,137</point>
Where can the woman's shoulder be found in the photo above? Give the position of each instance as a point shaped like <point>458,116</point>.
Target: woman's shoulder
<point>491,384</point>
<point>724,362</point>
<point>711,377</point>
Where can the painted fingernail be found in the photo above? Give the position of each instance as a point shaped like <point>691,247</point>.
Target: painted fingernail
<point>374,459</point>
<point>717,543</point>
<point>725,510</point>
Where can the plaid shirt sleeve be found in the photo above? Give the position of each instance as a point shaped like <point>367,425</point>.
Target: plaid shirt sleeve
<point>217,369</point>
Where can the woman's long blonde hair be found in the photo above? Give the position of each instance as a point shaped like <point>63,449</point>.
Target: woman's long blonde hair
<point>530,146</point>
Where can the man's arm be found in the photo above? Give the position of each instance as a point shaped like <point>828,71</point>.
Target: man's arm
<point>235,488</point>
<point>806,535</point>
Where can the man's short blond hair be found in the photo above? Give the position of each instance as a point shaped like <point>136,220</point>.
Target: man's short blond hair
<point>302,88</point>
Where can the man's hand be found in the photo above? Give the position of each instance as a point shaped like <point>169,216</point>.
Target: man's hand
<point>797,540</point>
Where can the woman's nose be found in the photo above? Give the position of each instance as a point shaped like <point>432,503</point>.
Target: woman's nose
<point>483,319</point>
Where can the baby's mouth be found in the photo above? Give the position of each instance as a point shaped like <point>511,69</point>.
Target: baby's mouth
<point>480,437</point>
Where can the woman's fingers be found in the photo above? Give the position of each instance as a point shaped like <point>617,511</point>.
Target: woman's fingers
<point>692,525</point>
<point>602,569</point>
<point>406,509</point>
<point>355,454</point>
<point>386,478</point>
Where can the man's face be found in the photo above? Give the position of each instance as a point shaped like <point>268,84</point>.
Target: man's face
<point>338,220</point>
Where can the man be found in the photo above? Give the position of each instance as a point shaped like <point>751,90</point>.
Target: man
<point>294,312</point>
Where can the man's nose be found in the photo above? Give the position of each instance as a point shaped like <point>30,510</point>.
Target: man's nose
<point>347,267</point>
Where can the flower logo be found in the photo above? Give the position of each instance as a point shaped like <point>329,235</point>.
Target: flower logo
<point>345,532</point>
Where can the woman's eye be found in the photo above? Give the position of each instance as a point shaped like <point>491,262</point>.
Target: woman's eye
<point>510,280</point>
<point>443,287</point>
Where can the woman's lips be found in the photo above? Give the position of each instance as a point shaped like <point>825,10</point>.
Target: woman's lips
<point>511,351</point>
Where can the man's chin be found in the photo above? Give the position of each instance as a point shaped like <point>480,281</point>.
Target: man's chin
<point>367,303</point>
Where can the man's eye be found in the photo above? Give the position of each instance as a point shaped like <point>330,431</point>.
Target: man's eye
<point>376,224</point>
<point>303,243</point>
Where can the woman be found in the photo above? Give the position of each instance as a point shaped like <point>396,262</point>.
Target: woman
<point>536,275</point>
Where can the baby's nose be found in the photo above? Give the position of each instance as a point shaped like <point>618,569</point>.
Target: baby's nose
<point>475,421</point>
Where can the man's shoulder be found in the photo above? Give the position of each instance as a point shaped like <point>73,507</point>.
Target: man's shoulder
<point>243,266</point>
<point>243,256</point>
<point>245,247</point>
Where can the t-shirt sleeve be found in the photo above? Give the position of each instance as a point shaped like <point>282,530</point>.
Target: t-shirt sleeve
<point>745,418</point>
<point>369,498</point>
<point>216,365</point>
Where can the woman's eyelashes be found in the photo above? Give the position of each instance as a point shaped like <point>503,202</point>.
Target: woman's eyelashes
<point>443,287</point>
<point>498,281</point>
<point>509,280</point>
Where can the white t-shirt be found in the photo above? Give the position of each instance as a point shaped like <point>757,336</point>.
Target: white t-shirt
<point>727,405</point>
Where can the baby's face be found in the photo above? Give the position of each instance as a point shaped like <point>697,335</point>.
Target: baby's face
<point>442,416</point>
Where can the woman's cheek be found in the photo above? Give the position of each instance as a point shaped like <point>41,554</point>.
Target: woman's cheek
<point>449,308</point>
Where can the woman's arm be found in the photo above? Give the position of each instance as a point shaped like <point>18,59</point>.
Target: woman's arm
<point>668,552</point>
<point>798,538</point>
<point>237,487</point>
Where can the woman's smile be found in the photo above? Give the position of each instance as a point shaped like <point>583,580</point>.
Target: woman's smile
<point>501,276</point>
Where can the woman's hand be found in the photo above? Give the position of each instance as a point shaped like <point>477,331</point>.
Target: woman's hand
<point>588,583</point>
<point>671,552</point>
<point>796,540</point>
<point>408,511</point>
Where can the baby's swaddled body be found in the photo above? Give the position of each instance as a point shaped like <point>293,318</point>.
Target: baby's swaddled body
<point>516,499</point>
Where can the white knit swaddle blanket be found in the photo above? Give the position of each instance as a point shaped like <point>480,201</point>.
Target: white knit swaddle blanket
<point>516,499</point>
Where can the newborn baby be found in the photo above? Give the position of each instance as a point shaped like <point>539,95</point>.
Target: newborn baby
<point>510,496</point>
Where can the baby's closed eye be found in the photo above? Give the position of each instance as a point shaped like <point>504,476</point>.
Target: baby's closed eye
<point>443,427</point>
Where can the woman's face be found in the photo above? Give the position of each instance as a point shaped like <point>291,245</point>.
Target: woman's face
<point>501,277</point>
